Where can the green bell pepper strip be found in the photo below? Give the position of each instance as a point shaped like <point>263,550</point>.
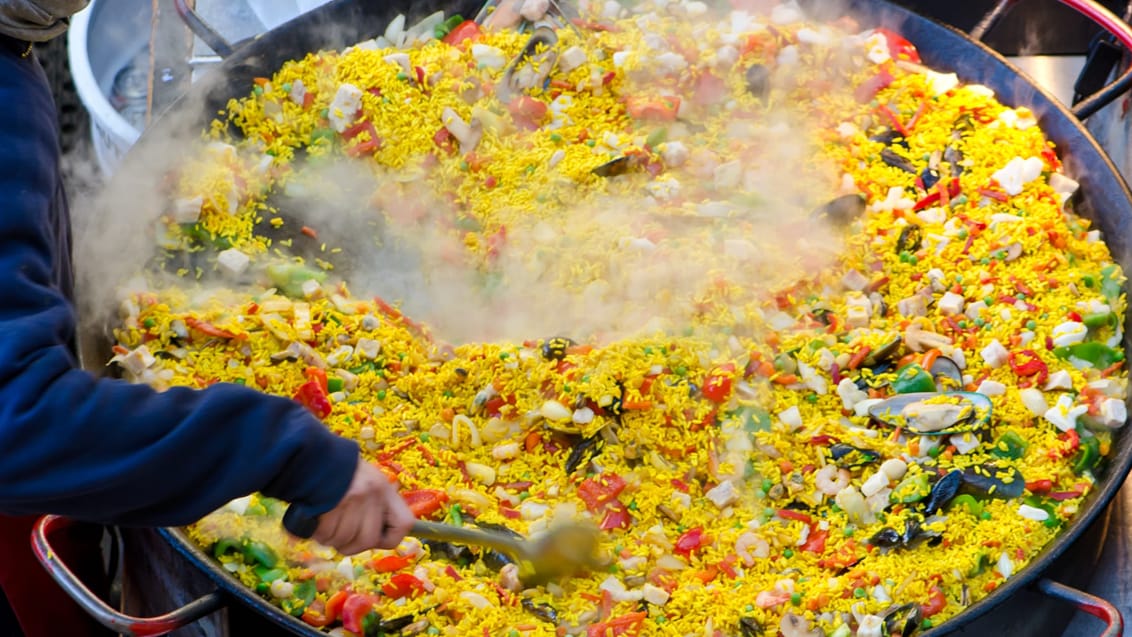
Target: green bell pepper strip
<point>974,507</point>
<point>1110,283</point>
<point>227,546</point>
<point>267,574</point>
<point>305,592</point>
<point>912,488</point>
<point>913,378</point>
<point>1098,319</point>
<point>256,551</point>
<point>1010,445</point>
<point>1088,455</point>
<point>980,566</point>
<point>289,277</point>
<point>334,385</point>
<point>1096,354</point>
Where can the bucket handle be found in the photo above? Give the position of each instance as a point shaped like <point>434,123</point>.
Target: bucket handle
<point>1091,604</point>
<point>100,610</point>
<point>1114,26</point>
<point>202,29</point>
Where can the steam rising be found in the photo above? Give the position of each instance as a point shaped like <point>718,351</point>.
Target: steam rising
<point>642,271</point>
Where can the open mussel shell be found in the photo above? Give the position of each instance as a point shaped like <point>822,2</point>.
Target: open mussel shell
<point>847,456</point>
<point>934,413</point>
<point>902,620</point>
<point>946,373</point>
<point>841,211</point>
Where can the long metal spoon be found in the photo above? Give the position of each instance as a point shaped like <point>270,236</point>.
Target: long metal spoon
<point>563,550</point>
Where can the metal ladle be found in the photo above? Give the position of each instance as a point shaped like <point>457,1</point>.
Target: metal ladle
<point>563,550</point>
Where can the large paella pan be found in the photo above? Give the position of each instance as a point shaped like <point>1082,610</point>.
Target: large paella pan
<point>863,402</point>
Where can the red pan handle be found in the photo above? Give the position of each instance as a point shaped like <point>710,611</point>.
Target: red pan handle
<point>1091,604</point>
<point>100,610</point>
<point>1096,12</point>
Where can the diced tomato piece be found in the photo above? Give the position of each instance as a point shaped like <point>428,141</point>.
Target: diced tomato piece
<point>689,541</point>
<point>717,386</point>
<point>402,585</point>
<point>355,609</point>
<point>425,502</point>
<point>312,396</point>
<point>389,563</point>
<point>937,601</point>
<point>528,111</point>
<point>466,30</point>
<point>335,604</point>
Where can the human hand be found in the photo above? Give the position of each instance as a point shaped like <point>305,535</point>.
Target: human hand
<point>371,514</point>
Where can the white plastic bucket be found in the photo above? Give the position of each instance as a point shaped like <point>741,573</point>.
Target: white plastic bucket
<point>103,39</point>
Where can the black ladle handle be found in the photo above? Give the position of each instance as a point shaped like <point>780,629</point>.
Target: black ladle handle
<point>299,523</point>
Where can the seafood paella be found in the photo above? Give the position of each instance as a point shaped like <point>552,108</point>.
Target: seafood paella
<point>858,422</point>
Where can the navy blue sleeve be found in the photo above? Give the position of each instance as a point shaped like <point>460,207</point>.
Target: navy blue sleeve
<point>102,449</point>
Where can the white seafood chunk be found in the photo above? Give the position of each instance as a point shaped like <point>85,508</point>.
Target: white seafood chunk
<point>344,107</point>
<point>1017,173</point>
<point>1113,413</point>
<point>994,355</point>
<point>951,304</point>
<point>1064,414</point>
<point>233,261</point>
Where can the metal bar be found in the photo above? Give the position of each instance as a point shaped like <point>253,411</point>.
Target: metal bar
<point>991,19</point>
<point>99,609</point>
<point>1091,604</point>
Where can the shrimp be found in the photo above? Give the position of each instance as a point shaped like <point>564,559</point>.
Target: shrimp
<point>748,541</point>
<point>830,479</point>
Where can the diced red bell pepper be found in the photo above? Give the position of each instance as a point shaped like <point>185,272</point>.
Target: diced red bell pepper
<point>689,541</point>
<point>627,625</point>
<point>868,89</point>
<point>466,30</point>
<point>389,563</point>
<point>899,48</point>
<point>402,585</point>
<point>425,502</point>
<point>616,517</point>
<point>717,386</point>
<point>312,396</point>
<point>815,541</point>
<point>790,514</point>
<point>355,609</point>
<point>204,327</point>
<point>597,493</point>
<point>1026,363</point>
<point>660,109</point>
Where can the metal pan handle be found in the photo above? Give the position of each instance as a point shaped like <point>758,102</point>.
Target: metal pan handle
<point>1116,27</point>
<point>1095,606</point>
<point>100,610</point>
<point>202,29</point>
